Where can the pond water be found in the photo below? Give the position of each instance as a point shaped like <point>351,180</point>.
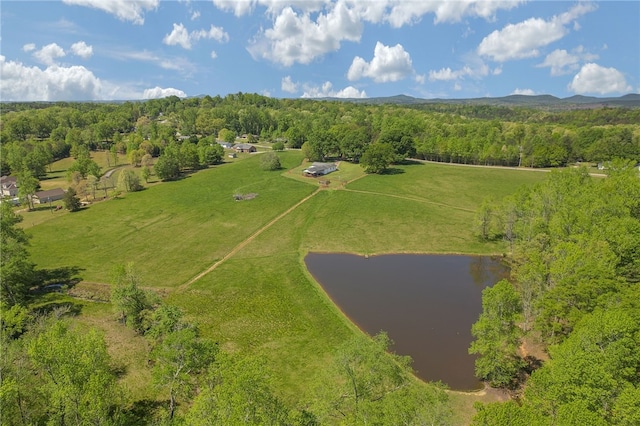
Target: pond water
<point>426,304</point>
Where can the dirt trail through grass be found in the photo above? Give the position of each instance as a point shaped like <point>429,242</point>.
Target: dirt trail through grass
<point>245,242</point>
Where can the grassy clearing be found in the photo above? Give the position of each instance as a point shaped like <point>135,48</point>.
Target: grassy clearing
<point>262,300</point>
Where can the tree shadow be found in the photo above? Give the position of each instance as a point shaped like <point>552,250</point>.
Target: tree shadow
<point>392,171</point>
<point>55,278</point>
<point>410,162</point>
<point>141,411</point>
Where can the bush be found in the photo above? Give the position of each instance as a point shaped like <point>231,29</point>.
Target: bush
<point>278,146</point>
<point>270,161</point>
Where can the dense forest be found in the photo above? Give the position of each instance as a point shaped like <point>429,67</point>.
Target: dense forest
<point>575,266</point>
<point>34,134</point>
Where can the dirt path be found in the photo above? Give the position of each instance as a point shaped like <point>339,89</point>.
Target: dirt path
<point>240,246</point>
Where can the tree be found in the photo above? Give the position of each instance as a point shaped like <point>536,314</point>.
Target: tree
<point>278,146</point>
<point>237,391</point>
<point>145,173</point>
<point>27,187</point>
<point>227,135</point>
<point>129,181</point>
<point>377,157</point>
<point>180,356</point>
<point>71,201</point>
<point>77,379</point>
<point>167,167</point>
<point>17,273</point>
<point>129,300</point>
<point>497,335</point>
<point>270,161</point>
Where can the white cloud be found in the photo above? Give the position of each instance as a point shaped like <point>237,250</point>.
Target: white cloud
<point>480,69</point>
<point>180,36</point>
<point>524,39</point>
<point>388,64</point>
<point>420,78</point>
<point>295,37</point>
<point>562,62</point>
<point>82,49</point>
<point>29,47</point>
<point>287,85</point>
<point>243,7</point>
<point>593,78</point>
<point>526,92</point>
<point>125,10</point>
<point>54,83</point>
<point>404,12</point>
<point>326,91</point>
<point>49,54</point>
<point>184,66</point>
<point>457,87</point>
<point>57,83</point>
<point>497,71</point>
<point>214,55</point>
<point>195,15</point>
<point>159,92</point>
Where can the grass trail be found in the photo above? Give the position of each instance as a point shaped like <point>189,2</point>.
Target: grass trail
<point>245,242</point>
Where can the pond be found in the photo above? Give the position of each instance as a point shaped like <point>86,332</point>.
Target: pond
<point>426,304</point>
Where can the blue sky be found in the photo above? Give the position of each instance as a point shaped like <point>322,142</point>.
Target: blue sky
<point>141,49</point>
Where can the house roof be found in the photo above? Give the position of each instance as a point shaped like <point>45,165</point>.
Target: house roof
<point>7,181</point>
<point>244,146</point>
<point>316,167</point>
<point>56,192</point>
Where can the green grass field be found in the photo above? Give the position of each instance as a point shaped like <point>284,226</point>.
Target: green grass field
<point>262,300</point>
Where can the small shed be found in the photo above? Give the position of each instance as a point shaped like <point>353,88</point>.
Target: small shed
<point>42,197</point>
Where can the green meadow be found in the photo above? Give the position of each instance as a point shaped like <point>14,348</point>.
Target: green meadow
<point>260,299</point>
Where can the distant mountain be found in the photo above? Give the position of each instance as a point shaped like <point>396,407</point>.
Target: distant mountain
<point>536,101</point>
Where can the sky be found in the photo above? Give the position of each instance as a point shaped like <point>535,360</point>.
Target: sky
<point>72,50</point>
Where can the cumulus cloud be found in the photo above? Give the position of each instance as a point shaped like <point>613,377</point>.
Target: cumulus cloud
<point>125,10</point>
<point>409,12</point>
<point>58,83</point>
<point>295,37</point>
<point>562,62</point>
<point>49,54</point>
<point>593,78</point>
<point>29,47</point>
<point>527,92</point>
<point>524,39</point>
<point>388,64</point>
<point>214,55</point>
<point>304,30</point>
<point>82,49</point>
<point>180,36</point>
<point>479,69</point>
<point>159,92</point>
<point>54,83</point>
<point>195,15</point>
<point>327,91</point>
<point>287,85</point>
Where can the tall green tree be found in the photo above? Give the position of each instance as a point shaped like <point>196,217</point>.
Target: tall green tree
<point>129,301</point>
<point>17,273</point>
<point>497,335</point>
<point>377,157</point>
<point>77,378</point>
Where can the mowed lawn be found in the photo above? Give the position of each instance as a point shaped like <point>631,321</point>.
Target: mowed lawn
<point>262,301</point>
<point>172,231</point>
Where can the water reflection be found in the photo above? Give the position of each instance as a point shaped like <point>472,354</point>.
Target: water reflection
<point>426,303</point>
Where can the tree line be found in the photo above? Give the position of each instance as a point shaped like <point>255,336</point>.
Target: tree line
<point>575,255</point>
<point>34,134</point>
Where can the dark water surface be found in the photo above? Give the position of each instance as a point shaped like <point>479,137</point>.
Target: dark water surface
<point>426,303</point>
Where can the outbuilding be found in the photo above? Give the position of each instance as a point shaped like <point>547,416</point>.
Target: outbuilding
<point>42,197</point>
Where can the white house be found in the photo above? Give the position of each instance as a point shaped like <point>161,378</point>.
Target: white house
<point>319,169</point>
